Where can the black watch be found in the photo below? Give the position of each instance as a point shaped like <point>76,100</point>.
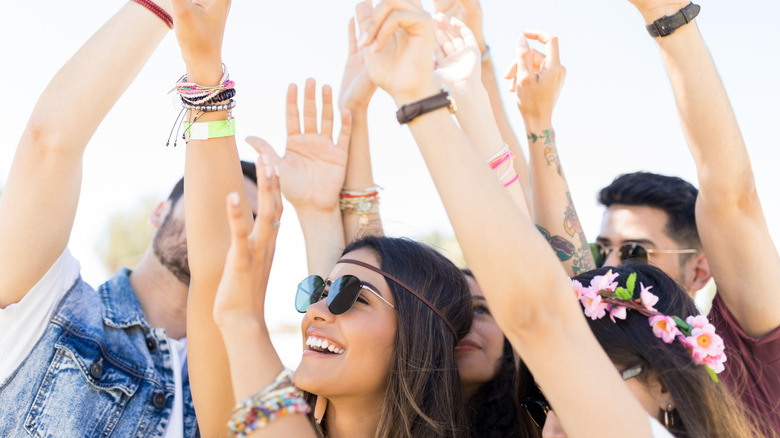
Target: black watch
<point>411,111</point>
<point>665,25</point>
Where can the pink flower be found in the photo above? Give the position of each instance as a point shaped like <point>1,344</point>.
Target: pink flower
<point>647,297</point>
<point>618,312</point>
<point>604,282</point>
<point>664,327</point>
<point>707,347</point>
<point>595,308</point>
<point>698,321</point>
<point>577,286</point>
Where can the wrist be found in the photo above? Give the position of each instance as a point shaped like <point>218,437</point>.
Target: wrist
<point>308,215</point>
<point>537,125</point>
<point>427,89</point>
<point>657,11</point>
<point>240,323</point>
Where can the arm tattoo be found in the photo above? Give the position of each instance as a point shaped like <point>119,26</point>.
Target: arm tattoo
<point>550,152</point>
<point>562,247</point>
<point>583,259</point>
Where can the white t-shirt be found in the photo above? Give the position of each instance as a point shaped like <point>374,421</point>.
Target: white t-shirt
<point>657,430</point>
<point>22,324</point>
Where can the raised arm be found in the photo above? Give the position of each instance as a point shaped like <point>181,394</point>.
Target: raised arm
<point>744,260</point>
<point>355,95</point>
<point>312,173</point>
<point>457,67</point>
<point>47,167</point>
<point>239,307</point>
<point>470,13</point>
<point>511,261</point>
<point>212,170</point>
<point>538,79</point>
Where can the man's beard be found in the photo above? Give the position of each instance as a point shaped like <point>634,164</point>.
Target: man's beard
<point>170,247</point>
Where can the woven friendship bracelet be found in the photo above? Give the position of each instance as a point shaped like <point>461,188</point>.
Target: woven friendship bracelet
<point>276,400</point>
<point>156,10</point>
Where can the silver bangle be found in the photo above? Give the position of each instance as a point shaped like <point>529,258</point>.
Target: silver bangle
<point>486,53</point>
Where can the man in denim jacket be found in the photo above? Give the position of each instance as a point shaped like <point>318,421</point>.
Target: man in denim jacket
<point>75,361</point>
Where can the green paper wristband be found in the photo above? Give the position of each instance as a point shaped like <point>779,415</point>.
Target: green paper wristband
<point>207,130</point>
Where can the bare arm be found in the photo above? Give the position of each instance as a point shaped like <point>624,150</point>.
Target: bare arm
<point>470,13</point>
<point>727,198</point>
<point>538,80</point>
<point>355,95</point>
<point>47,167</point>
<point>548,330</point>
<point>212,170</point>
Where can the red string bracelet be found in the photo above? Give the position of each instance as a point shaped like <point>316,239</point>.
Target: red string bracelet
<point>160,12</point>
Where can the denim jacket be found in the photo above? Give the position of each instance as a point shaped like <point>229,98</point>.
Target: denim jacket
<point>99,370</point>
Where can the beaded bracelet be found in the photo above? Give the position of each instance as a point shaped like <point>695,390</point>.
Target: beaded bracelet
<point>360,204</point>
<point>198,94</point>
<point>276,400</point>
<point>221,97</point>
<point>211,108</point>
<point>158,11</point>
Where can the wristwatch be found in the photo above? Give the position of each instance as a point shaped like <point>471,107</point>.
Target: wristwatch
<point>665,25</point>
<point>411,111</point>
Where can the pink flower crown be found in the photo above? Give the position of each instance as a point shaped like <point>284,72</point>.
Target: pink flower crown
<point>695,333</point>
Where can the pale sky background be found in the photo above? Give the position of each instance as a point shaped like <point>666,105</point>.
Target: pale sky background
<point>616,113</point>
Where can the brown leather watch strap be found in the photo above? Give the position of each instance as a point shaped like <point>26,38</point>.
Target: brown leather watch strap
<point>411,111</point>
<point>665,25</point>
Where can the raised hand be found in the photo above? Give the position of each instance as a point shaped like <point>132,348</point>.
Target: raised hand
<point>537,78</point>
<point>312,168</point>
<point>200,28</point>
<point>356,85</point>
<point>468,12</point>
<point>398,39</point>
<point>241,291</point>
<point>457,55</point>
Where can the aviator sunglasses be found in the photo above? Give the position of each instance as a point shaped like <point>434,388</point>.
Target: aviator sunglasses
<point>345,290</point>
<point>631,250</point>
<point>342,294</point>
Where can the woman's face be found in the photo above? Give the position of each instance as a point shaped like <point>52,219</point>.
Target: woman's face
<point>362,338</point>
<point>479,353</point>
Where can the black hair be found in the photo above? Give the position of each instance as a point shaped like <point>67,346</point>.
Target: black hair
<point>702,406</point>
<point>675,196</point>
<point>248,169</point>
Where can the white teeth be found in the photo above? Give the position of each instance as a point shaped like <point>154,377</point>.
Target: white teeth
<point>323,345</point>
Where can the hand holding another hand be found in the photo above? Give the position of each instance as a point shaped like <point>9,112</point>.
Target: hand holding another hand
<point>457,55</point>
<point>469,12</point>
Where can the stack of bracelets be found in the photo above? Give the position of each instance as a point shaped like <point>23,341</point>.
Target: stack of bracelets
<point>360,202</point>
<point>276,400</point>
<point>503,156</point>
<point>196,97</point>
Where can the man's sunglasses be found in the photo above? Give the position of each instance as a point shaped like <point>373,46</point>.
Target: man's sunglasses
<point>537,406</point>
<point>341,295</point>
<point>633,251</point>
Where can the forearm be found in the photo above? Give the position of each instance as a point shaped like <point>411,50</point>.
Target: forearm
<point>505,127</point>
<point>360,176</point>
<point>475,117</point>
<point>47,166</point>
<point>553,209</point>
<point>324,237</point>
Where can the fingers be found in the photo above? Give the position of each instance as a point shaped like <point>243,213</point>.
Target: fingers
<point>264,149</point>
<point>327,112</point>
<point>386,17</point>
<point>550,44</point>
<point>363,12</point>
<point>239,227</point>
<point>469,39</point>
<point>525,59</point>
<point>310,107</point>
<point>352,48</point>
<point>269,206</point>
<point>346,130</point>
<point>293,117</point>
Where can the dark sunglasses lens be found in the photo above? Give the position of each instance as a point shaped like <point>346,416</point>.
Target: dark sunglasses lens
<point>537,410</point>
<point>633,251</point>
<point>599,254</point>
<point>309,292</point>
<point>343,293</point>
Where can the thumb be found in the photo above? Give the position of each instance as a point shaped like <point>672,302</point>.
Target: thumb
<point>263,148</point>
<point>363,12</point>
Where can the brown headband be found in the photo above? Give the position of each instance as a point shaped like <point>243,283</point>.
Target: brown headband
<point>401,283</point>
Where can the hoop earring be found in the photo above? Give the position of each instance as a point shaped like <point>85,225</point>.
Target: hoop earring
<point>669,416</point>
<point>319,408</point>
